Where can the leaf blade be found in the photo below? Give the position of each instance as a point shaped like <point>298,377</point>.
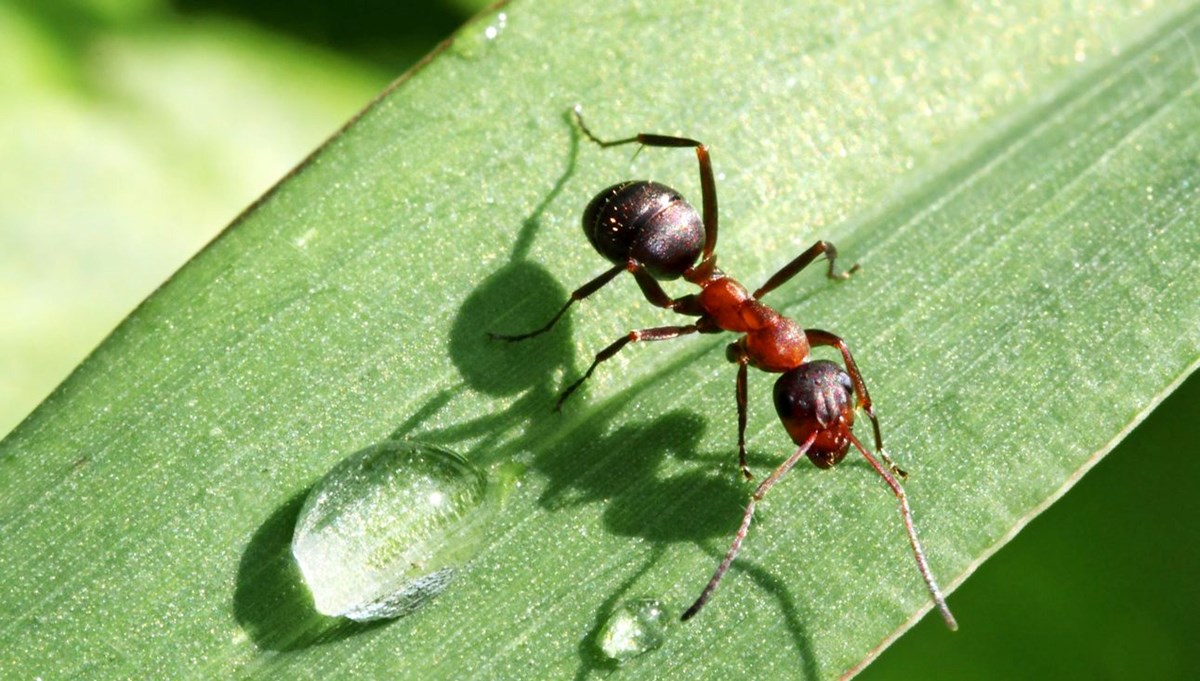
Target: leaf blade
<point>305,332</point>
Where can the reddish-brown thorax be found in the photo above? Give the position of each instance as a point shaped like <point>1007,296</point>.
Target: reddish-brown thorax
<point>772,342</point>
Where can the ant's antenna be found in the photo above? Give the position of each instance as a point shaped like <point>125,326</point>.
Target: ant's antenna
<point>918,551</point>
<point>759,493</point>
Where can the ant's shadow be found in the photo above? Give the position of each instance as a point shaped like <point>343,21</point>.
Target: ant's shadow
<point>595,463</point>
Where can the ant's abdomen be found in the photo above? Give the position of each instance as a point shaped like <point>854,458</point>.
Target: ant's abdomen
<point>648,222</point>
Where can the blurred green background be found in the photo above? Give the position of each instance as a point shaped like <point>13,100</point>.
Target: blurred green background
<point>132,131</point>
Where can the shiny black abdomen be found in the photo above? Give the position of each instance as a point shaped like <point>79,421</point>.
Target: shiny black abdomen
<point>648,222</point>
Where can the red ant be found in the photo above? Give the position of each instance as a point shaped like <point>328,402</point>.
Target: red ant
<point>649,230</point>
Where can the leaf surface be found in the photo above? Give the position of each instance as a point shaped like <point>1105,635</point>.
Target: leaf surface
<point>1019,185</point>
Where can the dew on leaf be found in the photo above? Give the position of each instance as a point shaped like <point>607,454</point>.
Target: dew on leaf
<point>386,529</point>
<point>474,39</point>
<point>634,628</point>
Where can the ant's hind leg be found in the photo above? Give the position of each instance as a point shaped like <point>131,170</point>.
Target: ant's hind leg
<point>579,294</point>
<point>656,296</point>
<point>708,183</point>
<point>655,334</point>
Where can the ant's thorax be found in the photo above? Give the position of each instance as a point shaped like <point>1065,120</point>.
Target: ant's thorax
<point>773,342</point>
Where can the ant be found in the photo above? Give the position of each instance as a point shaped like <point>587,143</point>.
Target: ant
<point>649,230</point>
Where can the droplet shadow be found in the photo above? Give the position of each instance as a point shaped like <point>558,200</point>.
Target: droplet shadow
<point>271,602</point>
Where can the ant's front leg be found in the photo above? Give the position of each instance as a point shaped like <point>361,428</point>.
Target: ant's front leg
<point>817,337</point>
<point>741,407</point>
<point>736,353</point>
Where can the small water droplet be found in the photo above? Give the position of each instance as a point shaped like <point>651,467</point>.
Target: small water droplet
<point>496,26</point>
<point>387,527</point>
<point>635,627</point>
<point>475,37</point>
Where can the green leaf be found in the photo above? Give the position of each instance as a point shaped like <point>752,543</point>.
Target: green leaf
<point>1019,185</point>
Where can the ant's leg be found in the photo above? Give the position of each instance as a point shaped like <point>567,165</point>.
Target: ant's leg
<point>741,407</point>
<point>655,334</point>
<point>736,353</point>
<point>817,337</point>
<point>651,289</point>
<point>579,294</point>
<point>708,184</point>
<point>654,293</point>
<point>759,493</point>
<point>804,260</point>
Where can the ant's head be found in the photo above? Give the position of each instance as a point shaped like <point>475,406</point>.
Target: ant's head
<point>648,222</point>
<point>817,397</point>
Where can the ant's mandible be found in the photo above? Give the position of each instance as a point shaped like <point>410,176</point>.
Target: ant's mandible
<point>650,231</point>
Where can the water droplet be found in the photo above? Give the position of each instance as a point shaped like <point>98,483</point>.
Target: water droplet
<point>475,37</point>
<point>635,627</point>
<point>493,30</point>
<point>387,527</point>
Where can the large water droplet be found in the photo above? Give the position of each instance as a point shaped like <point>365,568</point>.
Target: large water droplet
<point>634,628</point>
<point>386,528</point>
